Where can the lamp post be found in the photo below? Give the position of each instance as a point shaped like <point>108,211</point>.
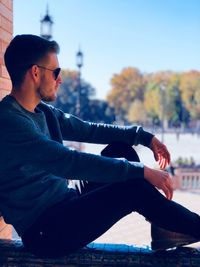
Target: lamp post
<point>46,26</point>
<point>79,64</point>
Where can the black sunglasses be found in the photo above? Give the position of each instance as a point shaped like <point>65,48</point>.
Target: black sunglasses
<point>56,71</point>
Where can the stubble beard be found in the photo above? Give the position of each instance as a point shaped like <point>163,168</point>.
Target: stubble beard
<point>46,98</point>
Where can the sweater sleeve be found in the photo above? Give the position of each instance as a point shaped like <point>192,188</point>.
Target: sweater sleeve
<point>25,146</point>
<point>75,129</point>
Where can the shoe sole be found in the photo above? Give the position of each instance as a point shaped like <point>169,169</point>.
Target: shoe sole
<point>163,245</point>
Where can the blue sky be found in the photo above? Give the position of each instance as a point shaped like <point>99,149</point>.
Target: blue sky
<point>151,35</point>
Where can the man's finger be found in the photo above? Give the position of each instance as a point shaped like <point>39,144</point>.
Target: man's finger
<point>162,163</point>
<point>166,192</point>
<point>169,185</point>
<point>156,156</point>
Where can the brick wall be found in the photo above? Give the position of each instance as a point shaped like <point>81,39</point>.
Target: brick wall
<point>6,32</point>
<point>5,229</point>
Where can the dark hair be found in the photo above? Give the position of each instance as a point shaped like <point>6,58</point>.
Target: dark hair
<point>23,51</point>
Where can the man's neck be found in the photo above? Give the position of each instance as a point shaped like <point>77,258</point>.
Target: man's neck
<point>26,101</point>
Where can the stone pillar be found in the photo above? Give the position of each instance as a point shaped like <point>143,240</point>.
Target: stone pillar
<point>6,32</point>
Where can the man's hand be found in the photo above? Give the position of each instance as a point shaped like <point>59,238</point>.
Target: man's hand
<point>161,153</point>
<point>160,179</point>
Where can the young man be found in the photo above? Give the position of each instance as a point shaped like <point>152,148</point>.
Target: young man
<point>51,218</point>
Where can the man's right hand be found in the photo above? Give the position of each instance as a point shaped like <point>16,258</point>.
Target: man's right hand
<point>160,179</point>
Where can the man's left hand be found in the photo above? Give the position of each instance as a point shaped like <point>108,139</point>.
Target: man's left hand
<point>161,153</point>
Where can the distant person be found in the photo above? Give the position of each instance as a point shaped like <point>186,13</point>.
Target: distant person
<point>51,218</point>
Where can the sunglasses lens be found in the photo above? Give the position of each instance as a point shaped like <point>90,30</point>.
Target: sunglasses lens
<point>56,73</point>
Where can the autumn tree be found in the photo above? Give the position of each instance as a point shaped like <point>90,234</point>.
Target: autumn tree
<point>137,113</point>
<point>152,101</point>
<point>127,86</point>
<point>190,91</point>
<point>162,97</point>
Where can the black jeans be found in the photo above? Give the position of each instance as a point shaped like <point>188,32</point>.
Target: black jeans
<point>70,225</point>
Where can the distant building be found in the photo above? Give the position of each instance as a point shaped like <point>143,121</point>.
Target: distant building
<point>187,178</point>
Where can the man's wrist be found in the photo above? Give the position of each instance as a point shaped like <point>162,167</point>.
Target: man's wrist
<point>146,138</point>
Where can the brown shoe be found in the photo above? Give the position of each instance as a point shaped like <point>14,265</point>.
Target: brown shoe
<point>163,239</point>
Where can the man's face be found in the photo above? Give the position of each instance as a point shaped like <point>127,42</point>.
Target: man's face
<point>49,81</point>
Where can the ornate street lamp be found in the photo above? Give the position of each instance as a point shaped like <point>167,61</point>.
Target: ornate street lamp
<point>79,59</point>
<point>46,26</point>
<point>79,64</point>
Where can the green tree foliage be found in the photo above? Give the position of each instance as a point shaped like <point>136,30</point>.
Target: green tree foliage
<point>152,101</point>
<point>68,94</point>
<point>184,162</point>
<point>163,98</point>
<point>173,100</point>
<point>91,109</point>
<point>100,111</point>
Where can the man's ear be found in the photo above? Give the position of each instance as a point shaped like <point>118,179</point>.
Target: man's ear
<point>34,71</point>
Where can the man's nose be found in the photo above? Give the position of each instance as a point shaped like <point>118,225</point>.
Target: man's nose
<point>59,80</point>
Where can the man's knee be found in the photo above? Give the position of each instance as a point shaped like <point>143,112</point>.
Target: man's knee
<point>120,150</point>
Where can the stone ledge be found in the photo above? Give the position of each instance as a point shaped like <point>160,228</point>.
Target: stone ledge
<point>13,254</point>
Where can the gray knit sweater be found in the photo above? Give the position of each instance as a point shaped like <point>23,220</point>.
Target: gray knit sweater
<point>35,166</point>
